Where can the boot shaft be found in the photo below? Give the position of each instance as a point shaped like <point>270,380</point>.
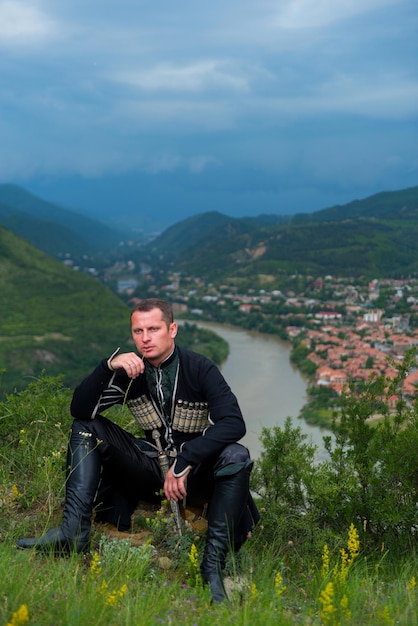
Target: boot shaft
<point>227,506</point>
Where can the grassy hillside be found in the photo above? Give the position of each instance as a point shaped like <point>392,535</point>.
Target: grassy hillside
<point>56,321</point>
<point>50,227</point>
<point>51,317</point>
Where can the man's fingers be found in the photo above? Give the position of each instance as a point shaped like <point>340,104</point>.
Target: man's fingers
<point>131,363</point>
<point>174,488</point>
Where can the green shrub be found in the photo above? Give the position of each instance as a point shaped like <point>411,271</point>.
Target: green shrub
<point>370,477</point>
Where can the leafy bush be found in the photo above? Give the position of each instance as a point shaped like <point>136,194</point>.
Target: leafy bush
<point>370,477</point>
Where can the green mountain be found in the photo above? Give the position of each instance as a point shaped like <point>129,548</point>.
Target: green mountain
<point>374,237</point>
<point>52,318</point>
<point>198,231</point>
<point>385,205</point>
<point>59,322</point>
<point>51,228</point>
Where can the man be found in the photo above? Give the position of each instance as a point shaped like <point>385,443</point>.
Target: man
<point>181,396</point>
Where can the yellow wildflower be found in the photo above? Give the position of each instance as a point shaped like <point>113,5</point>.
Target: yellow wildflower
<point>342,574</point>
<point>113,596</point>
<point>19,617</point>
<point>95,567</point>
<point>123,590</point>
<point>344,607</point>
<point>254,591</point>
<point>385,618</point>
<point>278,584</point>
<point>193,555</point>
<point>194,563</point>
<point>15,491</point>
<point>326,598</point>
<point>111,599</point>
<point>353,543</point>
<point>412,583</point>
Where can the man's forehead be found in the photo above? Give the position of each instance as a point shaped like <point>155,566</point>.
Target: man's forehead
<point>145,318</point>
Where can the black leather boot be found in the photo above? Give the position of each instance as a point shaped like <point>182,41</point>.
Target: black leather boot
<point>227,506</point>
<point>83,474</point>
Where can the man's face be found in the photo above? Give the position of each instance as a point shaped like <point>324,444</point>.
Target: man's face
<point>153,339</point>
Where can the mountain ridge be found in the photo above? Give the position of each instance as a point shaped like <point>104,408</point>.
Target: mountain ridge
<point>375,235</point>
<point>339,240</point>
<point>52,228</point>
<point>378,205</point>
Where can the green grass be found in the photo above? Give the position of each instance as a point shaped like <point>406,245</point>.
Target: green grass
<point>127,586</point>
<point>274,581</point>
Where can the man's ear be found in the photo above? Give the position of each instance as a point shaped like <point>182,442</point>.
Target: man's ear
<point>173,329</point>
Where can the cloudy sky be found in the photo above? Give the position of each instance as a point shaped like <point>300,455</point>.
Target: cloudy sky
<point>167,108</point>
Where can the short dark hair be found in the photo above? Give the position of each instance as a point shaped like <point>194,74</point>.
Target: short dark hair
<point>155,303</point>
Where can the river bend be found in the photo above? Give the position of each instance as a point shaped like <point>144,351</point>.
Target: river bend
<point>268,387</point>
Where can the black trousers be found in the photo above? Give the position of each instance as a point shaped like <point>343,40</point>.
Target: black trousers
<point>130,473</point>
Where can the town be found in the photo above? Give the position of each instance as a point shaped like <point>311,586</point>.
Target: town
<point>345,327</point>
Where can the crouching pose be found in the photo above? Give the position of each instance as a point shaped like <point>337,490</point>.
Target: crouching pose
<point>181,401</point>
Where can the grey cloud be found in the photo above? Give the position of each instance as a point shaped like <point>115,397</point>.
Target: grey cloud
<point>24,25</point>
<point>99,86</point>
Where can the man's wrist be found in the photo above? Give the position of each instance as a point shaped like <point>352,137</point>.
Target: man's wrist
<point>180,468</point>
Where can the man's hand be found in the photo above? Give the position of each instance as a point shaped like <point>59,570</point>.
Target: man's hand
<point>175,488</point>
<point>130,362</point>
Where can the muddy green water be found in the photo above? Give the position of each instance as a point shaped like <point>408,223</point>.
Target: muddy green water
<point>268,387</point>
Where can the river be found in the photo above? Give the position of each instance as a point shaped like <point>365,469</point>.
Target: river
<point>268,387</point>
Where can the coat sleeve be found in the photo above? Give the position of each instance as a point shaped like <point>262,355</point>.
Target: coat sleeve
<point>227,423</point>
<point>98,391</point>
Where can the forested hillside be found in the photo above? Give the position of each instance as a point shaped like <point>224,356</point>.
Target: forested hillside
<point>375,237</point>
